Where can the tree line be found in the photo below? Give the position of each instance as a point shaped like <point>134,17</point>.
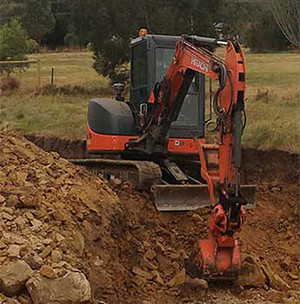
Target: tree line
<point>107,26</point>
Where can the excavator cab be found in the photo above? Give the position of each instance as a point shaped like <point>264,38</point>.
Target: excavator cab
<point>113,121</point>
<point>151,56</point>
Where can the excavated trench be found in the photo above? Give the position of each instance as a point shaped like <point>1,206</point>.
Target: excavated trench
<point>150,247</point>
<point>258,166</point>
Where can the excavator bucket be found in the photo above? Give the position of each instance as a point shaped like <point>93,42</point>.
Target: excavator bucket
<point>215,263</point>
<point>191,197</point>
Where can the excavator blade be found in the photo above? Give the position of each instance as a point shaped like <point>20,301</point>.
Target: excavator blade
<point>180,197</point>
<point>191,197</point>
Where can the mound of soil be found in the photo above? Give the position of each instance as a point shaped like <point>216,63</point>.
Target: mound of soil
<point>50,209</point>
<point>129,252</point>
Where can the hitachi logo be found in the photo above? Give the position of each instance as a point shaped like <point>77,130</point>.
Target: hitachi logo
<point>199,64</point>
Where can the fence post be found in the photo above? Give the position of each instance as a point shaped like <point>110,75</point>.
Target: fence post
<point>39,71</point>
<point>52,76</point>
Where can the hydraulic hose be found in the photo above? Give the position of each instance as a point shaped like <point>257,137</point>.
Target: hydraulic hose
<point>221,69</point>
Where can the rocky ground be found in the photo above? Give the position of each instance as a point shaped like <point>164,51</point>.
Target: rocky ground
<point>67,236</point>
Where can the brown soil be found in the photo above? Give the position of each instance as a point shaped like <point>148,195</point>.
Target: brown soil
<point>270,234</point>
<point>129,251</point>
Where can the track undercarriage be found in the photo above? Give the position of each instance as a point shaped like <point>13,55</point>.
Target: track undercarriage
<point>188,192</point>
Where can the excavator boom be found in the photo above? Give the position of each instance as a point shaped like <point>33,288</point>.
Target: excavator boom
<point>167,98</point>
<point>218,257</point>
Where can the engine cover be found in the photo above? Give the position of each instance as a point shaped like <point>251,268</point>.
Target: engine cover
<point>110,117</point>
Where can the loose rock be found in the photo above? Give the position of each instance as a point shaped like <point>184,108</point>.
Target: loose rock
<point>14,251</point>
<point>46,252</point>
<point>48,272</point>
<point>275,280</point>
<point>275,296</point>
<point>179,279</point>
<point>251,274</point>
<point>13,277</point>
<point>72,288</point>
<point>140,272</point>
<point>59,237</point>
<point>56,256</point>
<point>198,283</point>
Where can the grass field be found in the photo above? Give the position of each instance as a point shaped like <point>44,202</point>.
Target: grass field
<point>272,92</point>
<point>273,101</point>
<point>74,68</point>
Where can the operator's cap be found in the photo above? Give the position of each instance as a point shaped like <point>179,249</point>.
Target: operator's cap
<point>143,32</point>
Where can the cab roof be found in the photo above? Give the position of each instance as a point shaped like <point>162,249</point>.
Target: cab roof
<point>158,39</point>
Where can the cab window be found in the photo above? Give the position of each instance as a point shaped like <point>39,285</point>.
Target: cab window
<point>139,75</point>
<point>188,115</point>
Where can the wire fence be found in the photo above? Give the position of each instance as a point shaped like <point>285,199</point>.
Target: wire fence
<point>8,66</point>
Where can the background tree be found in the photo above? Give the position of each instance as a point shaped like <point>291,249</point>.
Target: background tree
<point>4,9</point>
<point>13,46</point>
<point>108,25</point>
<point>111,24</point>
<point>252,23</point>
<point>10,9</point>
<point>38,18</point>
<point>261,31</point>
<point>234,17</point>
<point>13,41</point>
<point>61,13</point>
<point>287,16</point>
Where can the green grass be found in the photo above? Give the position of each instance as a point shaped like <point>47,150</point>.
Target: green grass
<point>74,68</point>
<point>272,99</point>
<point>61,116</point>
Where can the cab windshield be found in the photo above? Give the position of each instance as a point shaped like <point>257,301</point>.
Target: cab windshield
<point>188,115</point>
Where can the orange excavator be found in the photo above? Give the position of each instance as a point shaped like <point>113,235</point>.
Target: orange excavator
<point>157,140</point>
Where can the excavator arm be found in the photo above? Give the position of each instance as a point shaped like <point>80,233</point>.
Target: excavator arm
<point>217,257</point>
<point>167,97</point>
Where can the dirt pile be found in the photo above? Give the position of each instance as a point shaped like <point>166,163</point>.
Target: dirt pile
<point>66,226</point>
<point>49,209</point>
